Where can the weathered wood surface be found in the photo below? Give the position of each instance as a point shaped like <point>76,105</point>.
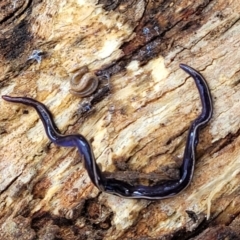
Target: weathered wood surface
<point>137,123</point>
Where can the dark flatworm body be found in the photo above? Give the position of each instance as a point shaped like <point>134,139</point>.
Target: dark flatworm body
<point>163,190</point>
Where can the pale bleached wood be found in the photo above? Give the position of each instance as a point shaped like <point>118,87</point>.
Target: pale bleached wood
<point>45,190</point>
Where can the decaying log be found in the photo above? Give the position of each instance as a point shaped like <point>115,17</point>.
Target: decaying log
<point>137,120</point>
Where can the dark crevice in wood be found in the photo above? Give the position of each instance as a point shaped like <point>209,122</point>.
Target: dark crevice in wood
<point>158,26</point>
<point>14,43</point>
<point>213,233</point>
<point>156,44</point>
<point>230,25</point>
<point>11,16</point>
<point>10,183</point>
<point>98,219</point>
<point>203,227</point>
<point>109,5</point>
<point>223,143</point>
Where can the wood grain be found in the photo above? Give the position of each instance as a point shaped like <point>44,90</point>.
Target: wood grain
<point>137,121</point>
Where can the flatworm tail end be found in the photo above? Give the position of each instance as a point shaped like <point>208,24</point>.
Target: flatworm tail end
<point>45,115</point>
<point>205,95</point>
<point>23,100</point>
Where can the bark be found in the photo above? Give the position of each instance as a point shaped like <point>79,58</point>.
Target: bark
<point>137,120</point>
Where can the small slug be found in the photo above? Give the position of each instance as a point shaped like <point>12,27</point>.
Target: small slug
<point>84,82</point>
